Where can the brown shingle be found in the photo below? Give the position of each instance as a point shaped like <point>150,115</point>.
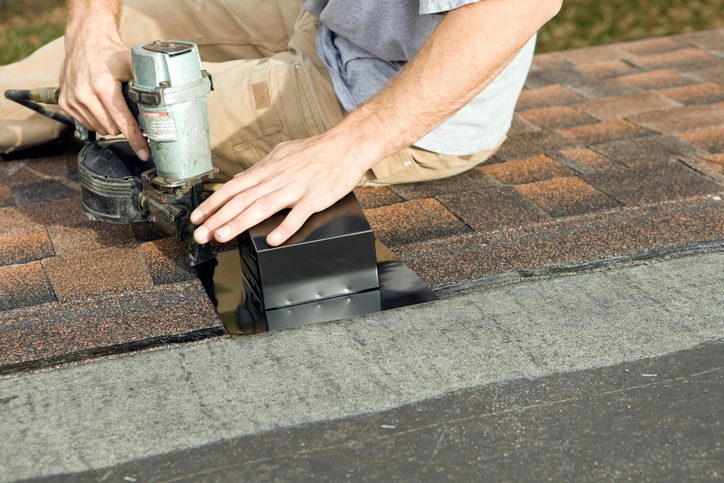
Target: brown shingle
<point>494,208</point>
<point>714,73</point>
<point>566,196</point>
<point>532,144</point>
<point>89,237</point>
<point>611,87</point>
<point>554,95</point>
<point>705,93</point>
<point>603,132</point>
<point>468,181</point>
<point>520,126</point>
<point>23,285</point>
<point>25,246</point>
<point>590,55</point>
<point>674,59</point>
<point>44,191</point>
<point>15,172</point>
<point>707,39</point>
<point>653,46</point>
<point>21,239</point>
<point>563,76</point>
<point>711,140</point>
<point>567,241</point>
<point>609,68</point>
<point>711,166</point>
<point>648,183</point>
<point>373,197</point>
<point>657,79</point>
<point>71,331</point>
<point>413,221</point>
<point>551,60</point>
<point>557,117</point>
<point>584,160</point>
<point>645,150</point>
<point>682,119</point>
<point>526,170</point>
<point>167,260</point>
<point>70,229</point>
<point>6,197</point>
<point>113,270</point>
<point>610,108</point>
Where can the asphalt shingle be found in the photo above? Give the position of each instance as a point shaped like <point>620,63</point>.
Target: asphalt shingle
<point>615,151</point>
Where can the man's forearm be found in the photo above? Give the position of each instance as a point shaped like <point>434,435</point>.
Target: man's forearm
<point>470,47</point>
<point>99,15</point>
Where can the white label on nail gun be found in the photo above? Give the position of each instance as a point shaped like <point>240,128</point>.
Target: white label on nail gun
<point>160,126</point>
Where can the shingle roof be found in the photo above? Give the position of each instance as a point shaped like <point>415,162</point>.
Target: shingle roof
<point>616,153</point>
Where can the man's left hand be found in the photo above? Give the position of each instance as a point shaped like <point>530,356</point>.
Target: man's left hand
<point>307,176</point>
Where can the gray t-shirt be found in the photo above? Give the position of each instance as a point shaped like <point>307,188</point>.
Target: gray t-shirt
<point>365,43</point>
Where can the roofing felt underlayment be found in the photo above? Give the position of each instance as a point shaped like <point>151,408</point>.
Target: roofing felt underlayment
<point>616,153</point>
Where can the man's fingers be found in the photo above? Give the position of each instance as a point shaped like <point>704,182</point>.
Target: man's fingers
<point>291,224</point>
<point>105,125</point>
<point>127,124</point>
<point>259,211</point>
<point>233,208</point>
<point>221,196</point>
<point>81,112</point>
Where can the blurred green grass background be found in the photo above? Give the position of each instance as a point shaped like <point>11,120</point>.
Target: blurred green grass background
<point>26,25</point>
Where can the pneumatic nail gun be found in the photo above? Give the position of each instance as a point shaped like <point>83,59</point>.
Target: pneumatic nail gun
<point>168,98</point>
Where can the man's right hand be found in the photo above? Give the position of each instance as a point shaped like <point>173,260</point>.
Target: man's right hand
<point>96,64</point>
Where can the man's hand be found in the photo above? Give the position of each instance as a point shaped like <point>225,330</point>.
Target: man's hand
<point>96,63</point>
<point>463,55</point>
<point>306,176</point>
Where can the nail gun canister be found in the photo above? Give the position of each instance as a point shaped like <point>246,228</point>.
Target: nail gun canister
<point>170,88</point>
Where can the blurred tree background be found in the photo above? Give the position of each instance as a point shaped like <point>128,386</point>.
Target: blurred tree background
<point>26,25</point>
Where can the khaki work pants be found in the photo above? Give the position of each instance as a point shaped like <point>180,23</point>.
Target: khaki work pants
<point>270,85</point>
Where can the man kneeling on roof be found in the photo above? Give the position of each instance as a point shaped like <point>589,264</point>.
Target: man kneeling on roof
<point>312,98</point>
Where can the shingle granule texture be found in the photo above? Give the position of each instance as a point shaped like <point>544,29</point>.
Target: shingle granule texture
<point>659,148</point>
<point>615,153</point>
<point>604,132</point>
<point>704,93</point>
<point>411,221</point>
<point>649,183</point>
<point>584,160</point>
<point>494,208</point>
<point>23,285</point>
<point>47,190</point>
<point>567,196</point>
<point>373,197</point>
<point>711,140</point>
<point>6,197</point>
<point>167,260</point>
<point>565,242</point>
<point>67,331</point>
<point>526,170</point>
<point>114,270</point>
<point>471,180</point>
<point>657,79</point>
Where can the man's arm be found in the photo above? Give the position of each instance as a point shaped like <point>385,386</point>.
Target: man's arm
<point>470,47</point>
<point>96,63</point>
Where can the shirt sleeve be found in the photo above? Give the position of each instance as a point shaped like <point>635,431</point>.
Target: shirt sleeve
<point>439,6</point>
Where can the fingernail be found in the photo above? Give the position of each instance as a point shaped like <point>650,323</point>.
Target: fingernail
<point>144,155</point>
<point>195,217</point>
<point>222,233</point>
<point>274,239</point>
<point>201,234</point>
